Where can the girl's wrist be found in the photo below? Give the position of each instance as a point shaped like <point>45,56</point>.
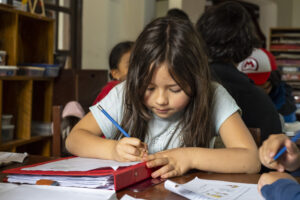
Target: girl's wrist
<point>190,154</point>
<point>113,152</point>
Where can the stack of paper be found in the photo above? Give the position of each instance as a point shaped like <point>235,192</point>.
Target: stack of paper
<point>30,192</point>
<point>214,190</point>
<point>105,182</point>
<point>82,172</point>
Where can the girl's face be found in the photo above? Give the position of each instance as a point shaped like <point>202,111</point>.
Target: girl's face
<point>163,96</point>
<point>121,73</point>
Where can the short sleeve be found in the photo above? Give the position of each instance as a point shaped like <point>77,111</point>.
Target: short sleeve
<point>113,105</point>
<point>223,106</point>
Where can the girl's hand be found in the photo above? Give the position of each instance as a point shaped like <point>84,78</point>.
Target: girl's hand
<point>173,162</point>
<point>129,150</point>
<point>269,178</point>
<point>290,160</point>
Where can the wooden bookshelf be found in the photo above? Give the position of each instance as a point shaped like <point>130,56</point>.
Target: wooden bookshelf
<point>27,38</point>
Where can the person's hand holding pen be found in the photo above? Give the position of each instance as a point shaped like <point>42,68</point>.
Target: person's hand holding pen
<point>290,160</point>
<point>129,149</point>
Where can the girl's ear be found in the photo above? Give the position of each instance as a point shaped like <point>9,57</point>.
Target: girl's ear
<point>115,74</point>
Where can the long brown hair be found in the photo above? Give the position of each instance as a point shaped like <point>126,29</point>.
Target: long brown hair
<point>177,43</point>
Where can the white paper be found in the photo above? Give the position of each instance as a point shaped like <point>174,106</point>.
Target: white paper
<point>6,157</point>
<point>128,197</point>
<point>104,182</point>
<point>30,192</point>
<point>80,164</point>
<point>214,190</point>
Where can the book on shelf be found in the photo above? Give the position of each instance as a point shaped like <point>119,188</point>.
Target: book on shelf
<point>290,77</point>
<point>286,34</point>
<point>82,172</point>
<point>286,41</point>
<point>286,56</point>
<point>285,47</point>
<point>294,84</point>
<point>292,62</point>
<point>289,69</point>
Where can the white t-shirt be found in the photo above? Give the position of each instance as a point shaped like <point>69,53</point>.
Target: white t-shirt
<point>162,133</point>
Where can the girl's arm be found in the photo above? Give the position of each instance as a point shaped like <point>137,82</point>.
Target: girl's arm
<point>239,156</point>
<point>85,141</point>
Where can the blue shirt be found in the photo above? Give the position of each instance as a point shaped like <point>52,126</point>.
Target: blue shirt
<point>282,189</point>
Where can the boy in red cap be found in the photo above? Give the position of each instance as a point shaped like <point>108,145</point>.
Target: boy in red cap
<point>229,36</point>
<point>261,67</point>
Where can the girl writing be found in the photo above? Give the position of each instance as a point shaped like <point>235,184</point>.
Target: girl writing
<point>118,66</point>
<point>171,109</point>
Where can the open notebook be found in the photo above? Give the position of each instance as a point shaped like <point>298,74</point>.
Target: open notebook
<point>201,189</point>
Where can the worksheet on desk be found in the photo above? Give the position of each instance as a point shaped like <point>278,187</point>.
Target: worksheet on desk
<point>80,164</point>
<point>214,190</point>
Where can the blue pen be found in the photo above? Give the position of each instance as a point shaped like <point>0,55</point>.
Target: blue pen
<point>294,139</point>
<point>112,120</point>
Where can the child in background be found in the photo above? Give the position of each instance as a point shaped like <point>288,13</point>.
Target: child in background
<point>279,185</point>
<point>261,67</point>
<point>178,13</point>
<point>171,109</point>
<point>228,32</point>
<point>118,65</point>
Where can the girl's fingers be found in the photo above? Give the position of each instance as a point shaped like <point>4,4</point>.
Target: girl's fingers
<point>134,142</point>
<point>149,157</point>
<point>128,149</point>
<point>131,158</point>
<point>162,171</point>
<point>145,146</point>
<point>157,162</point>
<point>170,174</point>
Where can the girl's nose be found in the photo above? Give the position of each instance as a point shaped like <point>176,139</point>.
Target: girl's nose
<point>161,98</point>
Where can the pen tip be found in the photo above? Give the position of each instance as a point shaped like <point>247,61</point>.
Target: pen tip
<point>271,162</point>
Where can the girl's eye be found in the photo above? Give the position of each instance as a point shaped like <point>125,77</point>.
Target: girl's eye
<point>150,88</point>
<point>175,90</point>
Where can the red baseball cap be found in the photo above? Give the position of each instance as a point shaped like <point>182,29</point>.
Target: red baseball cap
<point>258,65</point>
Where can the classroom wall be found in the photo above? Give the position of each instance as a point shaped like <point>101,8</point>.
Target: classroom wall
<point>161,7</point>
<point>107,22</point>
<point>288,13</point>
<point>194,8</point>
<point>284,12</point>
<point>296,14</point>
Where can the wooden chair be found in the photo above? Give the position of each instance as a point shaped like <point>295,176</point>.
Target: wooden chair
<point>255,132</point>
<point>61,128</point>
<point>56,139</point>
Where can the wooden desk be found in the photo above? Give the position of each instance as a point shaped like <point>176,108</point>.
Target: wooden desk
<point>157,191</point>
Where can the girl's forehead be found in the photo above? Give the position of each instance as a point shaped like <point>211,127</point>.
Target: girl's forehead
<point>161,74</point>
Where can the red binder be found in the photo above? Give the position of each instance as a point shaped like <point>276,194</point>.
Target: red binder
<point>123,176</point>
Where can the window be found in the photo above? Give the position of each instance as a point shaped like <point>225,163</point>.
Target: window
<point>68,30</point>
